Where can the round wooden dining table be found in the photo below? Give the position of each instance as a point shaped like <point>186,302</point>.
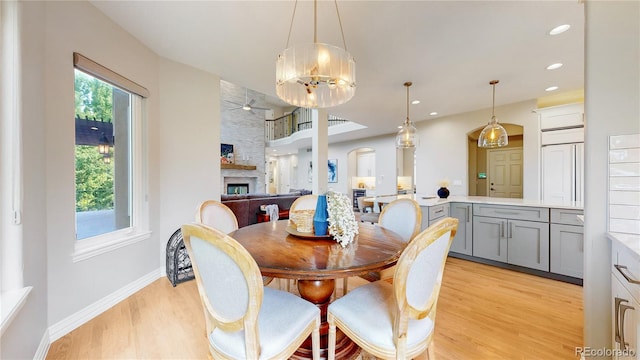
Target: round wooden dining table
<point>316,262</point>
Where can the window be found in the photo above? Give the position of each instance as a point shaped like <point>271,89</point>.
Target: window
<point>110,179</point>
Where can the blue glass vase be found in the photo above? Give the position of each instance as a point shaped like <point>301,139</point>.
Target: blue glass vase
<point>320,223</point>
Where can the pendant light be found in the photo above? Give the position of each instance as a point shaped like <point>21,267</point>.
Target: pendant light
<point>315,75</point>
<point>493,135</point>
<point>407,136</point>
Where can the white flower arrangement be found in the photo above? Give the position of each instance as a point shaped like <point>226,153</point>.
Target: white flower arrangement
<point>342,222</point>
<point>444,183</point>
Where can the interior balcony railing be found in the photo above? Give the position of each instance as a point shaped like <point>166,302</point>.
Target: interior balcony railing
<point>297,120</point>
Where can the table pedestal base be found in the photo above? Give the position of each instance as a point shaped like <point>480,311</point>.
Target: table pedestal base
<point>319,292</point>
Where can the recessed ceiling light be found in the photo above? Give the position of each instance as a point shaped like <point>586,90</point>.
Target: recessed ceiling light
<point>433,113</point>
<point>554,66</point>
<point>551,88</point>
<point>399,126</point>
<point>415,102</point>
<point>559,29</point>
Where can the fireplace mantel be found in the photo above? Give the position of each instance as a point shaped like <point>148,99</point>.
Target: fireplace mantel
<point>237,167</point>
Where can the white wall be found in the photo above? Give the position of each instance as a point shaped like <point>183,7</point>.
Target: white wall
<point>24,334</point>
<point>442,152</point>
<point>188,155</point>
<point>79,27</point>
<point>385,164</point>
<point>612,107</point>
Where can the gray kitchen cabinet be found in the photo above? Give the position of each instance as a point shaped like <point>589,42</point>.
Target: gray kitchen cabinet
<point>489,241</point>
<point>463,241</point>
<point>567,243</point>
<point>512,234</point>
<point>433,213</point>
<point>528,244</point>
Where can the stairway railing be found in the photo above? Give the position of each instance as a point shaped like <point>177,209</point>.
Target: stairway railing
<point>299,119</point>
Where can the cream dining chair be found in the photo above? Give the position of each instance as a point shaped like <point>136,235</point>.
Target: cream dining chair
<point>402,216</point>
<point>397,321</point>
<point>217,215</point>
<point>243,318</point>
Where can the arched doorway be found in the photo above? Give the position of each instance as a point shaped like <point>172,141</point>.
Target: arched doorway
<point>496,172</point>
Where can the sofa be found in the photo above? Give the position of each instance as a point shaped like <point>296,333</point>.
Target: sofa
<point>246,207</point>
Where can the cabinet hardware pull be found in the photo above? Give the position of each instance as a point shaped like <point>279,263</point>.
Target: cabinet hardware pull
<point>502,229</point>
<point>623,269</point>
<point>510,234</point>
<point>616,309</point>
<point>439,211</point>
<point>506,212</point>
<point>623,309</point>
<point>468,218</point>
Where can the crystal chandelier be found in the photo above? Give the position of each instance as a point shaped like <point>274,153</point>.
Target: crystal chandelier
<point>407,136</point>
<point>493,135</point>
<point>315,75</point>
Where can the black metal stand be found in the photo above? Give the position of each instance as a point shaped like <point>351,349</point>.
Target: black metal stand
<point>178,263</point>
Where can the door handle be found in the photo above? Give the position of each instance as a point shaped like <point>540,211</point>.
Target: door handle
<point>616,309</point>
<point>623,309</point>
<point>623,269</point>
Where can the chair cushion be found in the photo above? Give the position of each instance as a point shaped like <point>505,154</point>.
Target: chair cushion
<point>282,318</point>
<point>369,310</point>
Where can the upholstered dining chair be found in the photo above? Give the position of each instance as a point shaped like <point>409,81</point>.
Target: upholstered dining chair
<point>402,216</point>
<point>244,319</point>
<point>304,202</point>
<point>217,215</point>
<point>367,216</point>
<point>397,321</point>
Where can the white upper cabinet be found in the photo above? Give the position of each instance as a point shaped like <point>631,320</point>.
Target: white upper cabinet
<point>366,164</point>
<point>561,117</point>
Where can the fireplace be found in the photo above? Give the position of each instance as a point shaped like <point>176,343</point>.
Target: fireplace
<point>237,188</point>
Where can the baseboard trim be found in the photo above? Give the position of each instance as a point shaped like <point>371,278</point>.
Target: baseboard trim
<point>72,322</point>
<point>43,348</point>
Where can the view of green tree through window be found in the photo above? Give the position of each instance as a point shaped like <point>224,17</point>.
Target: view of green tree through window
<point>102,156</point>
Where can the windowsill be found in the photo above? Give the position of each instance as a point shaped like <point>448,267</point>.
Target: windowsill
<point>12,302</point>
<point>89,248</point>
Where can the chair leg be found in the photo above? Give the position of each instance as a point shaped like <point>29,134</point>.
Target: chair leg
<point>345,286</point>
<point>430,354</point>
<point>315,343</point>
<point>331,352</point>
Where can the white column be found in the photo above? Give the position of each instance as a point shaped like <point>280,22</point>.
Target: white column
<point>320,150</point>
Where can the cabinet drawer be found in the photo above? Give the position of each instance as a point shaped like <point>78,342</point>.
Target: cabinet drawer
<point>438,211</point>
<point>566,216</point>
<point>626,267</point>
<point>512,212</point>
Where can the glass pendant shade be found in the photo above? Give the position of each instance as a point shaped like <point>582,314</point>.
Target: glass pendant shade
<point>407,136</point>
<point>493,135</point>
<point>315,75</point>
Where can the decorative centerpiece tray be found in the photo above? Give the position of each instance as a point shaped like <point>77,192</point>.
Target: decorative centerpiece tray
<point>306,235</point>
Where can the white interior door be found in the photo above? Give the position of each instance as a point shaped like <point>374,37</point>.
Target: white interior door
<point>505,173</point>
<point>284,175</point>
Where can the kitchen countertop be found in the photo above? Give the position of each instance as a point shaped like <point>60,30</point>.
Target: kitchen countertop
<point>431,200</point>
<point>630,241</point>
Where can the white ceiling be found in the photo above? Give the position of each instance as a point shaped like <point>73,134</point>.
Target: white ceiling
<point>450,50</point>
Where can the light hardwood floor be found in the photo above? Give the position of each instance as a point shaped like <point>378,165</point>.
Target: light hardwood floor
<point>483,313</point>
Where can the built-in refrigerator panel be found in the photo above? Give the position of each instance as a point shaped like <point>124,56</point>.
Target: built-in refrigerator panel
<point>562,172</point>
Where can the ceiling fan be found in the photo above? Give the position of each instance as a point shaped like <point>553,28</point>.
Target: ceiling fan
<point>248,105</point>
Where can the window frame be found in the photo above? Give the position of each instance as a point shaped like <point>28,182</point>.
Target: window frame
<point>139,229</point>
